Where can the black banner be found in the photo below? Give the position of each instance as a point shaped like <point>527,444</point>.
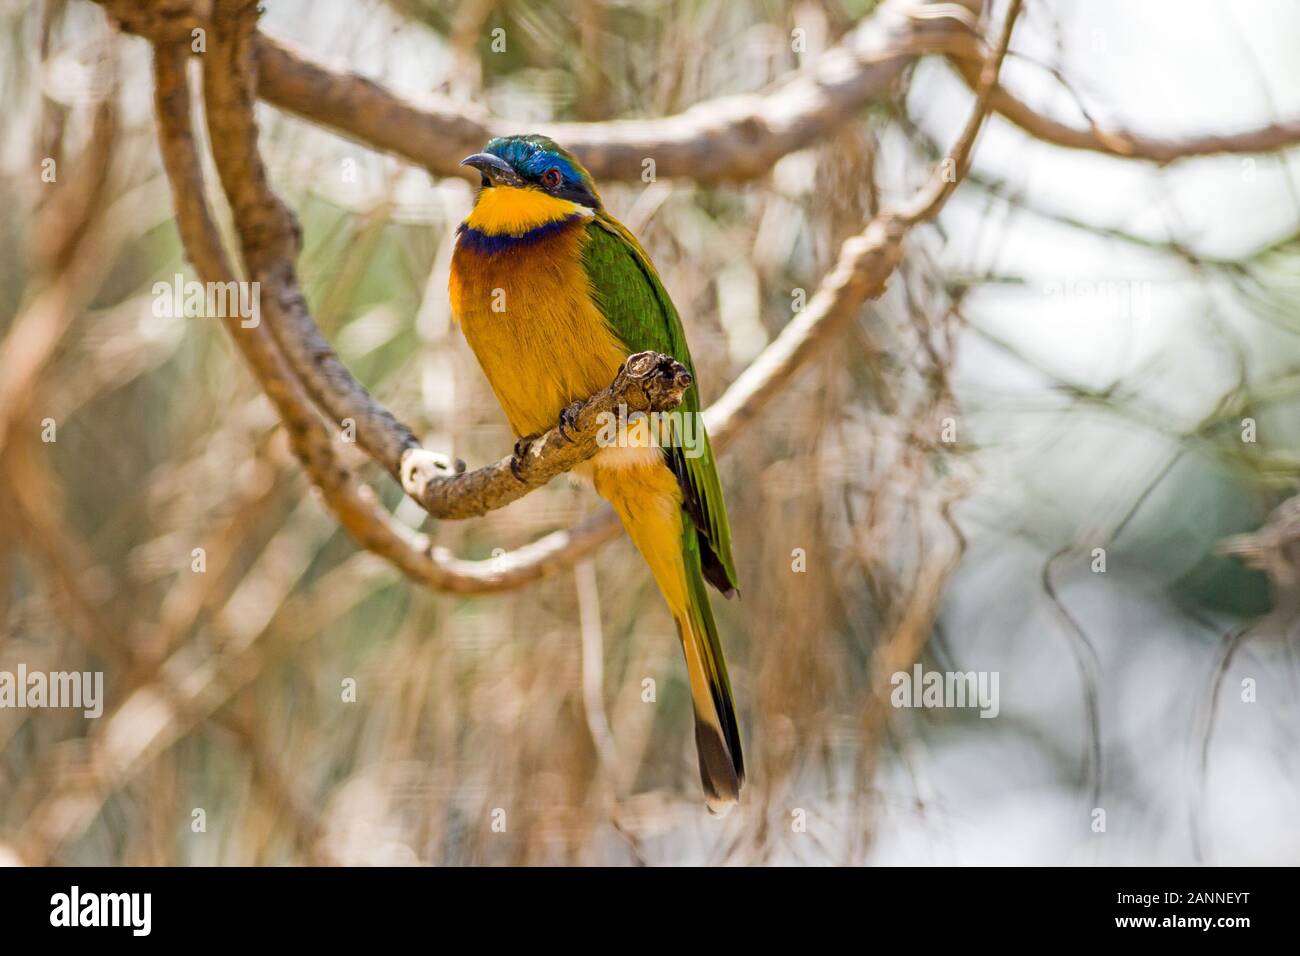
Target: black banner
<point>213,906</point>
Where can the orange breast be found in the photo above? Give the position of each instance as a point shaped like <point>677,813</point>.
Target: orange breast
<point>528,316</point>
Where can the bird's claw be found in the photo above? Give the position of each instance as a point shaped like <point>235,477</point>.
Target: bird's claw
<point>517,456</point>
<point>569,421</point>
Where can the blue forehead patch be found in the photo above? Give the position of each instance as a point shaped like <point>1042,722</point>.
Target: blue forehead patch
<point>533,155</point>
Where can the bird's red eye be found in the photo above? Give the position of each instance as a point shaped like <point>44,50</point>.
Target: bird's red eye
<point>552,178</point>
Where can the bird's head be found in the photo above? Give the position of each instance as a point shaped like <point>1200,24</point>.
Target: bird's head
<point>534,163</point>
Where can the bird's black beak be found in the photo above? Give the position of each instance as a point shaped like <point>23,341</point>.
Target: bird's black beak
<point>496,171</point>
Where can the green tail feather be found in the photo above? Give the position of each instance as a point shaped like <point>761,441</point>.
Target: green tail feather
<point>717,732</point>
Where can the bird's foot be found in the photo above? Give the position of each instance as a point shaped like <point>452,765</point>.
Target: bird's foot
<point>569,420</point>
<point>518,454</point>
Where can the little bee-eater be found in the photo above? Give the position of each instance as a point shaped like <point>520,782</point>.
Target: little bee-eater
<point>553,294</point>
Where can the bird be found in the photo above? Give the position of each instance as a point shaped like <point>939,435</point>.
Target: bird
<point>552,294</point>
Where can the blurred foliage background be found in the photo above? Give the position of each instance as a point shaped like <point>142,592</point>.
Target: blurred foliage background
<point>1095,330</point>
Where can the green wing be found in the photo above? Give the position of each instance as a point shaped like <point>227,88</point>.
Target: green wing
<point>627,290</point>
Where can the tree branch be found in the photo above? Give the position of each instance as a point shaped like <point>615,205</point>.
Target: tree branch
<point>288,355</point>
<point>646,383</point>
<point>1274,549</point>
<point>727,138</point>
<point>968,62</point>
<point>954,169</point>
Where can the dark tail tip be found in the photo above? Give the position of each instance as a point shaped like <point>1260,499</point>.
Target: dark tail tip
<point>722,771</point>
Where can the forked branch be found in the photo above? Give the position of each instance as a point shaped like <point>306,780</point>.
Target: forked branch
<point>301,373</point>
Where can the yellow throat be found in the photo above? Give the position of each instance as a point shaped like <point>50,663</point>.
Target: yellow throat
<point>510,211</point>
